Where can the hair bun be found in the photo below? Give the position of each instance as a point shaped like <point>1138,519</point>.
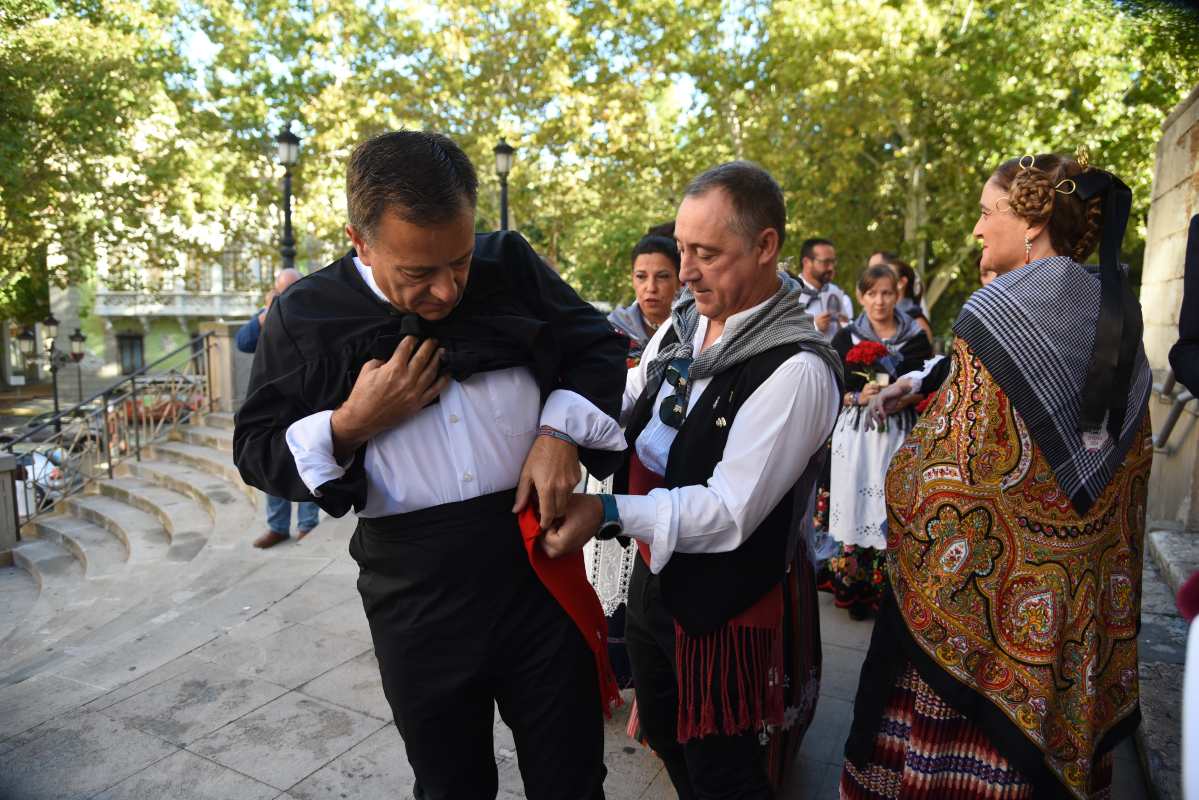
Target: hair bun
<point>1031,194</point>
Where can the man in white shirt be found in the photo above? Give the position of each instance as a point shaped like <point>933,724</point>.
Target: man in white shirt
<point>728,412</point>
<point>828,304</point>
<point>437,381</point>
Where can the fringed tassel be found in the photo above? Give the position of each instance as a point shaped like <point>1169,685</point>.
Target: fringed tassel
<point>731,681</point>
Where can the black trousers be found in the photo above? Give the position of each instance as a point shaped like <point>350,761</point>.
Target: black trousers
<point>461,624</point>
<point>707,768</point>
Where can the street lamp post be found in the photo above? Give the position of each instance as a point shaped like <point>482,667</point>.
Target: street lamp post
<point>77,339</point>
<point>50,330</point>
<point>503,165</point>
<point>288,145</point>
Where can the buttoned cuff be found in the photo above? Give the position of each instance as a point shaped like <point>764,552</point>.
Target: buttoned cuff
<point>647,518</point>
<point>311,443</point>
<point>581,420</point>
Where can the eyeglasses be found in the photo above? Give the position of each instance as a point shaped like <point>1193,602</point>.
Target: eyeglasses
<point>830,262</point>
<point>673,411</point>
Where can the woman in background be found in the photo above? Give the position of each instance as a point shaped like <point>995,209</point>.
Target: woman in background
<point>881,344</point>
<point>655,283</point>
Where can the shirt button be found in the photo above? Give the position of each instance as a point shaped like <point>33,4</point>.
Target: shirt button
<point>453,417</point>
<point>467,476</point>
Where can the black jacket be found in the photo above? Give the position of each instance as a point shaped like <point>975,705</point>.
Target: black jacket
<point>515,311</point>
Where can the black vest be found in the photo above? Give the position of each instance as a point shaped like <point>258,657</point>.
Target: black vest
<point>703,591</point>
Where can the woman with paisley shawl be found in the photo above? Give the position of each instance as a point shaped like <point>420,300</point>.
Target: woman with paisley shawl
<point>1003,662</point>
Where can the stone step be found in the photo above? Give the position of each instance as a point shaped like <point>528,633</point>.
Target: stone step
<point>185,521</point>
<point>18,593</point>
<point>203,459</point>
<point>50,564</point>
<point>220,419</point>
<point>216,438</point>
<point>98,551</point>
<point>141,531</point>
<point>1176,554</point>
<point>212,491</point>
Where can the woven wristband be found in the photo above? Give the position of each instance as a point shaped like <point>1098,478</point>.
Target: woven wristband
<point>546,430</point>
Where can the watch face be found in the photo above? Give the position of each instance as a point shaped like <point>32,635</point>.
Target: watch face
<point>609,530</point>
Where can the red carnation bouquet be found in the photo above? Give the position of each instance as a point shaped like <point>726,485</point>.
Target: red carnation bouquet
<point>867,355</point>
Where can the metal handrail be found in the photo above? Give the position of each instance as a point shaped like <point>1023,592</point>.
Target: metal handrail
<point>110,390</point>
<point>111,426</point>
<point>1166,390</point>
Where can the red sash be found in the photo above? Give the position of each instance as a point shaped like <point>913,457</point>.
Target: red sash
<point>566,580</point>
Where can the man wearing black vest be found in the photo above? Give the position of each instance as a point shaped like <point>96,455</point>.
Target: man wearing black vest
<point>726,415</point>
<point>436,380</point>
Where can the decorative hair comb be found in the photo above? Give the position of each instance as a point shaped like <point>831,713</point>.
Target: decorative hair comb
<point>1064,186</point>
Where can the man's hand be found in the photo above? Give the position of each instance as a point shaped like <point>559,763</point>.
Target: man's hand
<point>821,321</point>
<point>387,393</point>
<point>552,470</point>
<point>270,298</point>
<point>584,513</point>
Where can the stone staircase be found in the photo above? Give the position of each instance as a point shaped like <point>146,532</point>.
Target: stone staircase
<point>114,565</point>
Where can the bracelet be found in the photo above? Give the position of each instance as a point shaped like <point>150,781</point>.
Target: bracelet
<point>546,430</point>
<point>857,398</point>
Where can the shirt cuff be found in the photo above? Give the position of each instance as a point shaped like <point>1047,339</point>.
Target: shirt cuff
<point>578,418</point>
<point>647,518</point>
<point>914,378</point>
<point>311,443</point>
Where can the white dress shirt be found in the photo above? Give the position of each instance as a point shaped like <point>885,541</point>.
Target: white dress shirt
<point>471,443</point>
<point>916,377</point>
<point>775,433</point>
<point>820,303</point>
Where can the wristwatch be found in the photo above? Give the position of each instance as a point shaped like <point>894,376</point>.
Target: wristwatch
<point>610,528</point>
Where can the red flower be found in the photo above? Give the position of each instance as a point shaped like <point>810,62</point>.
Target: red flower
<point>865,353</point>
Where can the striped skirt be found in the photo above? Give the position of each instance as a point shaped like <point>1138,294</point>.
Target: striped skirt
<point>925,749</point>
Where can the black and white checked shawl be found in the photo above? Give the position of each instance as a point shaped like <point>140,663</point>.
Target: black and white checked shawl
<point>1033,329</point>
<point>781,320</point>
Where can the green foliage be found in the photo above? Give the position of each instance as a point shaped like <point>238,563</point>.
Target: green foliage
<point>121,143</point>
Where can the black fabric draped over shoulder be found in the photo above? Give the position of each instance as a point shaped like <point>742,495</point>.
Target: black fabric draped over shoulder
<point>515,311</point>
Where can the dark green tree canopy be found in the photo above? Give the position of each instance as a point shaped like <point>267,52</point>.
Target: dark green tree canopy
<point>137,136</point>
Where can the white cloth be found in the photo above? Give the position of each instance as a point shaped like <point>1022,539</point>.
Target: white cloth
<point>609,565</point>
<point>471,443</point>
<point>857,499</point>
<point>776,432</point>
<point>819,303</point>
<point>916,377</point>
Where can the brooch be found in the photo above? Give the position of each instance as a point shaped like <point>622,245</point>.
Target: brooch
<point>721,422</point>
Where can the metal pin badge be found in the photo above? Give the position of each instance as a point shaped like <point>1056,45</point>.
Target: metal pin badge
<point>721,422</point>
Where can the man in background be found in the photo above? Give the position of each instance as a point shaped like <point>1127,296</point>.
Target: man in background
<point>278,509</point>
<point>829,306</point>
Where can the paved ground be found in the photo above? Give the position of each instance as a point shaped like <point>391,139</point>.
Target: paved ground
<point>285,703</point>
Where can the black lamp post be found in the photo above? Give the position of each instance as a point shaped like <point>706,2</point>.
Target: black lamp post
<point>27,343</point>
<point>288,145</point>
<point>77,339</point>
<point>50,331</point>
<point>503,165</point>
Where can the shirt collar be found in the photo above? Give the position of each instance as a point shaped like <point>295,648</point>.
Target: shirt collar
<point>368,276</point>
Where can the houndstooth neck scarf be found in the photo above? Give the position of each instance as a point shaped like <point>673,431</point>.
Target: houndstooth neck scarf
<point>780,320</point>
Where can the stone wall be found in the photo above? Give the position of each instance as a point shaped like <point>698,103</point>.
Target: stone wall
<point>1175,199</point>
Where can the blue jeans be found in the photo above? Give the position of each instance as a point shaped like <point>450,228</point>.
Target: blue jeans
<point>278,515</point>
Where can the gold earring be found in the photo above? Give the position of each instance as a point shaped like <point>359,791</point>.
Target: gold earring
<point>1027,249</point>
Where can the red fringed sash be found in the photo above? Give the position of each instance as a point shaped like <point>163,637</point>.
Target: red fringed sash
<point>730,681</point>
<point>566,580</point>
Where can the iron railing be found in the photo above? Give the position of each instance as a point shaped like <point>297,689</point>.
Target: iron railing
<point>65,452</point>
<point>1166,392</point>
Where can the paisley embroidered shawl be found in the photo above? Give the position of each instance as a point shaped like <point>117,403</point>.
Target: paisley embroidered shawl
<point>1005,587</point>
